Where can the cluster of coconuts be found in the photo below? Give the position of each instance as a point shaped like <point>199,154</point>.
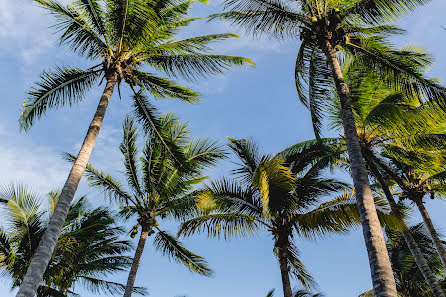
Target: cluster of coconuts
<point>135,230</point>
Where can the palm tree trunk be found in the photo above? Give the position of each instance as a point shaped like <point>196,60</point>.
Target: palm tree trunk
<point>408,238</point>
<point>284,271</point>
<point>42,257</point>
<point>135,264</point>
<point>433,233</point>
<point>381,270</point>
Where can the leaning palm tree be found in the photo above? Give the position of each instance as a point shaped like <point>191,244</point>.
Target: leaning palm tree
<point>387,118</point>
<point>130,41</point>
<point>88,251</point>
<point>330,31</point>
<point>410,280</point>
<point>280,193</point>
<point>158,189</point>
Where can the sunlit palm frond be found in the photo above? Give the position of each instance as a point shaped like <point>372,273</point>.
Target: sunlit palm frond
<point>217,225</point>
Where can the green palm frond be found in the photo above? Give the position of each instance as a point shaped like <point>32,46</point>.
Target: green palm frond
<point>377,11</point>
<point>170,246</point>
<point>194,66</point>
<point>95,13</point>
<point>312,71</point>
<point>147,115</point>
<point>248,153</point>
<point>335,216</point>
<point>403,69</point>
<point>228,196</point>
<point>204,152</point>
<point>193,44</point>
<point>162,88</point>
<point>78,30</point>
<point>58,87</point>
<point>112,187</point>
<point>217,225</point>
<point>130,152</point>
<point>274,17</point>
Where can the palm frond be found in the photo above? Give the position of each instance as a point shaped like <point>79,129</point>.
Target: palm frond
<point>147,115</point>
<point>162,88</point>
<point>194,66</point>
<point>58,87</point>
<point>274,17</point>
<point>217,225</point>
<point>192,45</point>
<point>377,11</point>
<point>111,187</point>
<point>248,153</point>
<point>78,31</point>
<point>129,150</point>
<point>170,246</point>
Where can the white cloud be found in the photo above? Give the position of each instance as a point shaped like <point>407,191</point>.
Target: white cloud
<point>24,30</point>
<point>40,167</point>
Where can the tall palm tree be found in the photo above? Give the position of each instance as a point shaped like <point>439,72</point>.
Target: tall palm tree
<point>130,41</point>
<point>410,280</point>
<point>87,253</point>
<point>330,31</point>
<point>384,117</point>
<point>158,190</point>
<point>280,193</point>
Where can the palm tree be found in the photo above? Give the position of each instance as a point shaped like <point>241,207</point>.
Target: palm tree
<point>280,193</point>
<point>387,118</point>
<point>416,183</point>
<point>126,39</point>
<point>158,190</point>
<point>330,31</point>
<point>410,280</point>
<point>88,251</point>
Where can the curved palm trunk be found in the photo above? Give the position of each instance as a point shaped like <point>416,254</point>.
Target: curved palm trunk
<point>433,233</point>
<point>422,264</point>
<point>284,271</point>
<point>135,264</point>
<point>381,270</point>
<point>42,257</point>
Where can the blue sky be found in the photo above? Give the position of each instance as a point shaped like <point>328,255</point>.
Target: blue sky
<point>258,102</point>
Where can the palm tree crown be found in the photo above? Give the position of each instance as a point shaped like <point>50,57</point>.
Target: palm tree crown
<point>133,41</point>
<point>88,251</point>
<point>157,189</point>
<point>281,193</point>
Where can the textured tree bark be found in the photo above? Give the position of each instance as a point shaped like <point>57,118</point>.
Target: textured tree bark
<point>408,238</point>
<point>433,233</point>
<point>135,264</point>
<point>39,263</point>
<point>284,271</point>
<point>381,270</point>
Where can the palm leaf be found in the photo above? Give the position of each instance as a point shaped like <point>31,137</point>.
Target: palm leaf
<point>170,246</point>
<point>216,225</point>
<point>58,87</point>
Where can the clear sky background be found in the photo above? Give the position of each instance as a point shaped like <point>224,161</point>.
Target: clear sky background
<point>258,102</point>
